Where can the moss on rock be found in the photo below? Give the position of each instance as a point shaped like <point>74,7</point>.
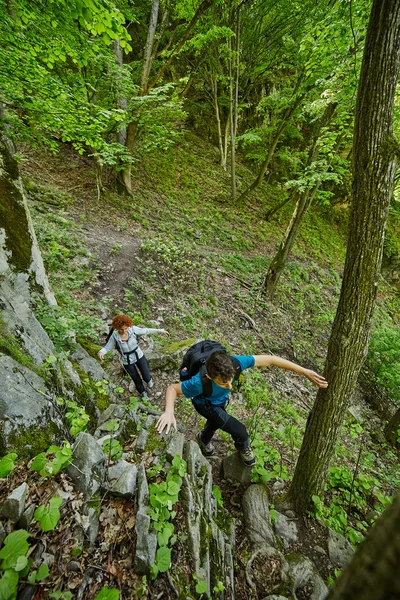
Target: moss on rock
<point>33,440</point>
<point>91,348</point>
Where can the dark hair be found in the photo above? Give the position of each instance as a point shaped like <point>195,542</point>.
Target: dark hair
<point>219,364</point>
<point>121,321</point>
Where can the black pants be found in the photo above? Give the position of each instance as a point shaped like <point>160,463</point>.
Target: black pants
<point>138,370</point>
<point>218,418</point>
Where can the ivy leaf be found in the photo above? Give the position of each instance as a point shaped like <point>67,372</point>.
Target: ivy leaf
<point>163,559</point>
<point>15,545</point>
<point>48,515</point>
<point>201,587</point>
<point>38,462</point>
<point>7,464</point>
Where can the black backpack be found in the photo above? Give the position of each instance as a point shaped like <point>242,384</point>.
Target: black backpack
<point>194,361</point>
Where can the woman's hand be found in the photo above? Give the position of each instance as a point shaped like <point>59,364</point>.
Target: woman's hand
<point>167,420</point>
<point>166,333</point>
<point>316,379</point>
<point>100,355</point>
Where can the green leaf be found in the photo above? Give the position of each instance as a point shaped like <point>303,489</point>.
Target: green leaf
<point>7,464</point>
<point>21,563</point>
<point>48,515</point>
<point>8,585</point>
<point>15,545</point>
<point>201,586</point>
<point>163,559</point>
<point>42,573</point>
<point>107,594</point>
<point>38,462</point>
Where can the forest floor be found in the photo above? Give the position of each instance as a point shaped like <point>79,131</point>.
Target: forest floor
<point>179,255</point>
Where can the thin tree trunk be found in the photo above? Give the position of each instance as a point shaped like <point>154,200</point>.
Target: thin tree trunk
<point>281,128</point>
<point>148,51</point>
<point>214,87</point>
<point>374,167</point>
<point>279,261</point>
<point>205,5</point>
<point>277,207</point>
<point>121,102</point>
<point>373,573</point>
<point>232,123</point>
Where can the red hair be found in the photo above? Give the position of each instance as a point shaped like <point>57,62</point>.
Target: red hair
<point>121,321</point>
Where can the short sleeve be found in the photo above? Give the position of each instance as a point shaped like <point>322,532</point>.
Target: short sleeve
<point>246,362</point>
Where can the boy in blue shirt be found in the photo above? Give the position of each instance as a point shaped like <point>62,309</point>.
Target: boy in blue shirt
<point>220,370</point>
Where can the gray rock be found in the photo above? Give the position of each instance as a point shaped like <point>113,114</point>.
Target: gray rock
<point>278,485</point>
<point>73,567</point>
<point>122,479</point>
<point>65,496</point>
<point>3,535</point>
<point>356,412</point>
<point>142,441</point>
<point>150,420</point>
<point>114,412</point>
<point>302,571</point>
<point>339,549</point>
<point>143,489</point>
<point>256,515</point>
<point>87,468</point>
<point>164,362</point>
<point>234,469</point>
<point>319,550</point>
<point>174,447</point>
<point>146,544</point>
<point>93,520</point>
<point>26,517</point>
<point>22,406</point>
<point>274,597</point>
<point>286,529</point>
<point>14,506</point>
<point>89,365</point>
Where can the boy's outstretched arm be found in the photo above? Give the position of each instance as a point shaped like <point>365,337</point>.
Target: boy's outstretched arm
<point>167,419</point>
<point>267,360</point>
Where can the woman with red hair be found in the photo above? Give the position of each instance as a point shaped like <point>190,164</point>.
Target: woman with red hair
<point>124,339</point>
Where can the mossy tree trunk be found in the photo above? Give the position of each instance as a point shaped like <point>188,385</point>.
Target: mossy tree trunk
<point>373,572</point>
<point>374,167</point>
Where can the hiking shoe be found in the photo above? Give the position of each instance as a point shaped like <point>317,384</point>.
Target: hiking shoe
<point>150,383</point>
<point>206,449</point>
<point>247,456</point>
<point>144,395</point>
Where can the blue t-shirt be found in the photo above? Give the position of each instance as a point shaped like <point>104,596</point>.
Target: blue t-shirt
<point>193,388</point>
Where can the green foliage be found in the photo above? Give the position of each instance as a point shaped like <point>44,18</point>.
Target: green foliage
<point>201,586</point>
<point>53,460</point>
<point>16,564</point>
<point>384,358</point>
<point>112,449</point>
<point>163,495</point>
<point>267,455</point>
<point>59,595</point>
<point>7,464</point>
<point>217,495</point>
<point>77,417</point>
<point>107,594</point>
<point>48,515</point>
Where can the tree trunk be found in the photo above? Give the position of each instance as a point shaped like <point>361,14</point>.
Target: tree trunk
<point>121,102</point>
<point>222,148</point>
<point>148,51</point>
<point>373,572</point>
<point>392,428</point>
<point>279,261</point>
<point>232,122</point>
<point>374,167</point>
<point>281,128</point>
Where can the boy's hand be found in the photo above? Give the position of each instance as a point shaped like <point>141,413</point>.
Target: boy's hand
<point>316,379</point>
<point>167,420</point>
<point>100,355</point>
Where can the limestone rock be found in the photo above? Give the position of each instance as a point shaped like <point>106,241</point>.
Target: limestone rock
<point>87,468</point>
<point>339,549</point>
<point>257,516</point>
<point>286,529</point>
<point>122,479</point>
<point>234,469</point>
<point>14,505</point>
<point>146,544</point>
